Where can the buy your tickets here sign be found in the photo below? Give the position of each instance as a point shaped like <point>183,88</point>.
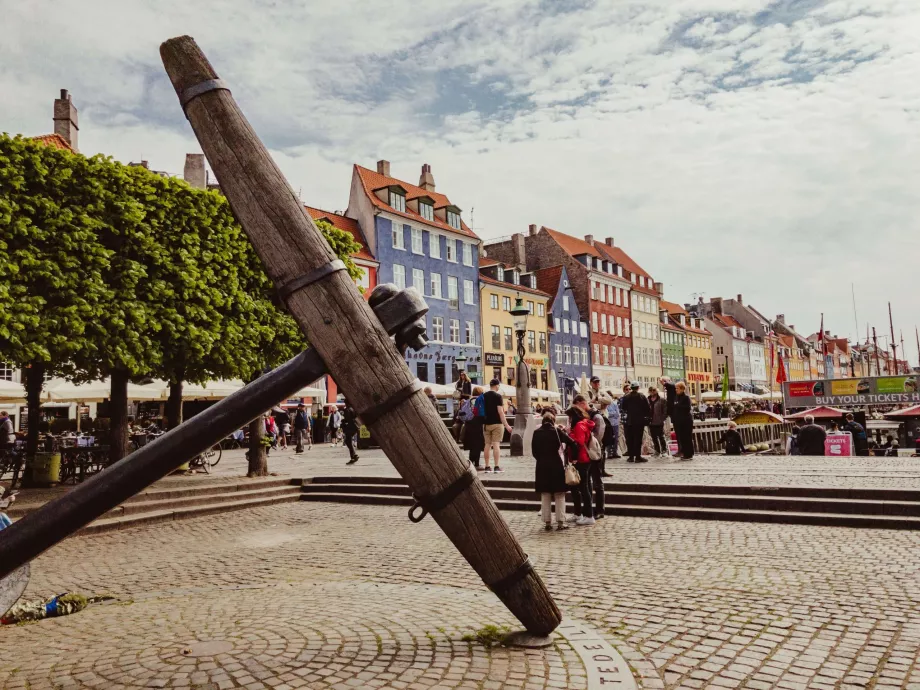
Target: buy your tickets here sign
<point>883,390</point>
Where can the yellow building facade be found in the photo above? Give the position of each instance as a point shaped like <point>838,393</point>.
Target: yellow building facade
<point>499,341</point>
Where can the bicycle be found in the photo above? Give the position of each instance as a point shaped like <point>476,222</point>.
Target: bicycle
<point>12,460</point>
<point>207,459</point>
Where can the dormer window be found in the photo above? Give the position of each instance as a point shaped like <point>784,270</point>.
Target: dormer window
<point>426,211</point>
<point>453,219</point>
<point>515,277</point>
<point>500,274</point>
<point>398,201</point>
<point>533,282</point>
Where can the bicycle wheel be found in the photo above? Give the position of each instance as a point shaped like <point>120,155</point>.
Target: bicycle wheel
<point>214,453</point>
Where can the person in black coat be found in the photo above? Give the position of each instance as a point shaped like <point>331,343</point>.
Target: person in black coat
<point>549,474</point>
<point>638,413</point>
<point>811,438</point>
<point>734,445</point>
<point>682,417</point>
<point>473,439</point>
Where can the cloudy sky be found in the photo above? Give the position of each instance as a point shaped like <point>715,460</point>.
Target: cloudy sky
<point>769,148</point>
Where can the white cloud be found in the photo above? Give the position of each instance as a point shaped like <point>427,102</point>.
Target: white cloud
<point>730,146</point>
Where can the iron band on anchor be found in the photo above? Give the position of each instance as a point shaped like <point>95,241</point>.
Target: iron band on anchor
<point>443,498</point>
<point>316,274</point>
<point>193,92</point>
<point>373,414</point>
<point>512,578</point>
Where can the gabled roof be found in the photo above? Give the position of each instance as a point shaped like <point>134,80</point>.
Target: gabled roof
<point>510,286</point>
<point>671,325</point>
<point>548,281</point>
<point>372,180</point>
<point>486,261</point>
<point>618,256</point>
<point>677,310</point>
<point>672,307</point>
<point>53,140</point>
<point>348,225</point>
<point>572,245</point>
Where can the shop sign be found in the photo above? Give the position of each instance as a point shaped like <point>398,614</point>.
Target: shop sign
<point>535,362</point>
<point>703,378</point>
<point>883,390</point>
<point>495,359</point>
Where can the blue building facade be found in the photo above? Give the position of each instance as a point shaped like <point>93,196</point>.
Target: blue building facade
<point>569,339</point>
<point>417,245</point>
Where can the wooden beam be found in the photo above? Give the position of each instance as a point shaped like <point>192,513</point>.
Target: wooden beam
<point>342,328</point>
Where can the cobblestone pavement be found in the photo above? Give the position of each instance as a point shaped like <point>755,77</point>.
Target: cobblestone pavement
<point>312,595</point>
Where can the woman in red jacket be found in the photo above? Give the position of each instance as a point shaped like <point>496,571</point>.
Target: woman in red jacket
<point>580,432</point>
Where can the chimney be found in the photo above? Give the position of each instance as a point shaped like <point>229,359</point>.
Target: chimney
<point>608,241</point>
<point>700,299</point>
<point>383,167</point>
<point>65,119</point>
<point>426,179</point>
<point>663,315</point>
<point>195,173</point>
<point>827,334</point>
<point>739,300</point>
<point>683,320</point>
<point>781,318</point>
<point>518,253</point>
<point>589,239</point>
<point>716,303</point>
<point>659,288</point>
<point>532,229</point>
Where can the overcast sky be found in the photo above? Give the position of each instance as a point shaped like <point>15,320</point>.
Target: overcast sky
<point>730,146</point>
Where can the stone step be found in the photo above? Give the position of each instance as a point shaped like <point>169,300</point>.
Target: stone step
<point>152,506</point>
<point>677,512</point>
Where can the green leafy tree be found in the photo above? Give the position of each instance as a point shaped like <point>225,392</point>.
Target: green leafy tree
<point>52,265</point>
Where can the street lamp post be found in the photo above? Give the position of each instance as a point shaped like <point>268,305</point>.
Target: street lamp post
<point>523,419</point>
<point>561,373</point>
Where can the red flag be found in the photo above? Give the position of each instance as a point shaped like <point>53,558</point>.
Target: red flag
<point>781,371</point>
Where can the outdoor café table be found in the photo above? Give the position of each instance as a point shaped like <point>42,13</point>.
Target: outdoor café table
<point>77,463</point>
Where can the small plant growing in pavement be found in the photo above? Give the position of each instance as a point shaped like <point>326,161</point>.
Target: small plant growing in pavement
<point>488,636</point>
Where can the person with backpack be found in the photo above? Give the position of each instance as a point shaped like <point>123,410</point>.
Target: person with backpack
<point>596,453</point>
<point>301,428</point>
<point>860,438</point>
<point>580,428</point>
<point>473,439</point>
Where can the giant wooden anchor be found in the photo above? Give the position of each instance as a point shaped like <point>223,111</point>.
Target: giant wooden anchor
<point>344,334</point>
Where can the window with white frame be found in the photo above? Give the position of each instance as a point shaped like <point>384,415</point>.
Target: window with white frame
<point>452,293</point>
<point>575,357</point>
<point>543,343</point>
<point>594,321</point>
<point>467,253</point>
<point>453,219</point>
<point>496,337</point>
<point>635,301</point>
<point>541,309</point>
<point>506,303</point>
<point>628,356</point>
<point>399,276</point>
<point>455,330</point>
<point>597,353</point>
<point>451,249</point>
<point>567,353</point>
<point>574,327</point>
<point>603,324</point>
<point>584,356</point>
<point>558,353</point>
<point>6,371</point>
<point>426,210</point>
<point>468,292</point>
<point>417,241</point>
<point>612,324</point>
<point>565,326</point>
<point>418,280</point>
<point>434,245</point>
<point>584,331</point>
<point>399,238</point>
<point>515,277</point>
<point>493,301</point>
<point>500,273</point>
<point>437,328</point>
<point>398,201</point>
<point>617,295</point>
<point>435,284</point>
<point>530,307</point>
<point>565,303</point>
<point>471,333</point>
<point>605,355</point>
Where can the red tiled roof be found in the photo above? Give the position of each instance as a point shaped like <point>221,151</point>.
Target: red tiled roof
<point>548,281</point>
<point>644,290</point>
<point>727,321</point>
<point>787,341</point>
<point>510,286</point>
<point>572,245</point>
<point>53,140</point>
<point>349,225</point>
<point>372,180</point>
<point>671,326</point>
<point>486,261</point>
<point>620,257</point>
<point>672,307</point>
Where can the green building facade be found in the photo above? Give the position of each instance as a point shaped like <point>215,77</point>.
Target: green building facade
<point>672,352</point>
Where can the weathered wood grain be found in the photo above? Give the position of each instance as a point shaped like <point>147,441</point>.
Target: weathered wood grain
<point>343,329</point>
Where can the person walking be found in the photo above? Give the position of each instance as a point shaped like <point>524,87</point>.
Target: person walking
<point>597,464</point>
<point>301,428</point>
<point>464,385</point>
<point>612,440</point>
<point>659,416</point>
<point>731,439</point>
<point>637,412</point>
<point>811,438</point>
<point>580,427</point>
<point>473,439</point>
<point>717,408</point>
<point>350,429</point>
<point>271,428</point>
<point>860,438</point>
<point>683,421</point>
<point>495,424</point>
<point>702,409</point>
<point>549,450</point>
<point>333,424</point>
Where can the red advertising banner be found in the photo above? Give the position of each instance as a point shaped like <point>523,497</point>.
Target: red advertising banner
<point>803,389</point>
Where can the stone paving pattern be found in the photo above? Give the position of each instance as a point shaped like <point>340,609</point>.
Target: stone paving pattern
<point>314,595</point>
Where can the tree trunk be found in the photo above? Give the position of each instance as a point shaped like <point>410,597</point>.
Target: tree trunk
<point>349,337</point>
<point>118,416</point>
<point>258,460</point>
<point>35,378</point>
<point>174,405</point>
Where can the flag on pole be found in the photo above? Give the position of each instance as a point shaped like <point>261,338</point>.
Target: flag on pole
<point>780,371</point>
<point>725,381</point>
